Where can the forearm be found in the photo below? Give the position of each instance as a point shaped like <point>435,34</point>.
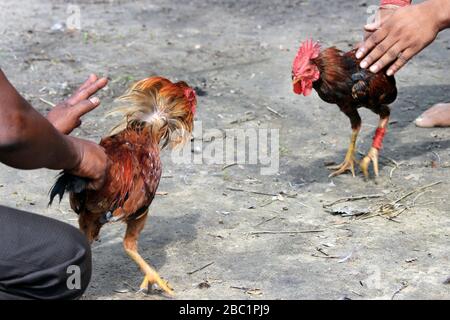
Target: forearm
<point>399,3</point>
<point>27,139</point>
<point>442,9</point>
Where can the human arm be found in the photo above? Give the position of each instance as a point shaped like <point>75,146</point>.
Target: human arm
<point>29,141</point>
<point>405,33</point>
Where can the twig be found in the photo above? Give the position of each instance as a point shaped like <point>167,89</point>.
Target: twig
<point>162,193</point>
<point>322,252</point>
<point>51,104</point>
<point>417,197</point>
<point>287,232</point>
<point>251,291</point>
<point>392,172</point>
<point>201,268</point>
<point>304,205</point>
<point>265,221</point>
<point>354,198</point>
<point>325,257</point>
<point>267,203</point>
<point>416,190</point>
<point>275,112</point>
<point>403,287</point>
<point>357,293</point>
<point>250,191</point>
<point>228,166</point>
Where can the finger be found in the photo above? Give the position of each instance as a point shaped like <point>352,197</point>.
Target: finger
<point>372,27</point>
<point>390,56</point>
<point>376,54</point>
<point>400,62</point>
<point>86,106</point>
<point>90,80</point>
<point>370,43</point>
<point>88,91</point>
<point>74,98</point>
<point>358,45</point>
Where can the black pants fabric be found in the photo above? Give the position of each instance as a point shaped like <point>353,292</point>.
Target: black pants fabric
<point>41,258</point>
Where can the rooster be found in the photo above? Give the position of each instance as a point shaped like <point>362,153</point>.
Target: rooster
<point>156,113</point>
<point>338,79</point>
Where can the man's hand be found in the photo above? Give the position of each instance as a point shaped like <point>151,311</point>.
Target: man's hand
<point>383,14</point>
<point>66,115</point>
<point>92,162</point>
<point>403,34</point>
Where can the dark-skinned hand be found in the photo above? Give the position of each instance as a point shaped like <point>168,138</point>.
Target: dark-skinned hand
<point>66,116</point>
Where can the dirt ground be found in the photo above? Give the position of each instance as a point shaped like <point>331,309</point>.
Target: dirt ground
<point>239,53</point>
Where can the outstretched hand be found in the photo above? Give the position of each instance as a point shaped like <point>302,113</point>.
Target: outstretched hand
<point>65,116</point>
<point>402,34</point>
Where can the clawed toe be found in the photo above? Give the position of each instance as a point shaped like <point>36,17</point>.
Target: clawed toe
<point>347,165</point>
<point>372,156</point>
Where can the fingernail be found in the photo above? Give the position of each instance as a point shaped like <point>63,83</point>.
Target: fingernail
<point>359,54</point>
<point>364,64</point>
<point>374,68</point>
<point>390,72</point>
<point>419,120</point>
<point>94,100</point>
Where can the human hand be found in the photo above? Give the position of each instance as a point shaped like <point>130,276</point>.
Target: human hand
<point>92,162</point>
<point>65,116</point>
<point>404,33</point>
<point>383,14</point>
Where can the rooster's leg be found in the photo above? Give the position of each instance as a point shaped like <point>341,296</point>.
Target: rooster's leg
<point>134,228</point>
<point>349,161</point>
<point>372,155</point>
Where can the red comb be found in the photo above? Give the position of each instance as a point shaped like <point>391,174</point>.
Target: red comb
<point>308,50</point>
<point>189,93</point>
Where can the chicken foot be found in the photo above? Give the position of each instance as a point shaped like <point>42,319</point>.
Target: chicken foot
<point>372,155</point>
<point>134,228</point>
<point>349,161</point>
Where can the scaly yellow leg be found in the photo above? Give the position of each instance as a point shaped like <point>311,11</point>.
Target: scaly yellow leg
<point>134,228</point>
<point>151,276</point>
<point>349,161</point>
<point>372,155</point>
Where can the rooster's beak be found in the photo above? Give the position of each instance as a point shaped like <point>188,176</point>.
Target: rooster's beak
<point>295,81</point>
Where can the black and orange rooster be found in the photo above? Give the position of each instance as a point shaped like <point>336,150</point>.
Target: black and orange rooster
<point>156,113</point>
<point>338,79</point>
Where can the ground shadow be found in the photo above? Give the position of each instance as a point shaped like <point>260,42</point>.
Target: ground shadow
<point>114,270</point>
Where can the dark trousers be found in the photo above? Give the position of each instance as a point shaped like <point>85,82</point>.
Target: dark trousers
<point>41,258</point>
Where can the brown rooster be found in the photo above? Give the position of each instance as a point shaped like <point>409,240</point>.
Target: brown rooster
<point>156,113</point>
<point>338,79</point>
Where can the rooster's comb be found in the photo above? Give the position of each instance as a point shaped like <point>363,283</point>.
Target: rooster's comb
<point>189,93</point>
<point>308,50</point>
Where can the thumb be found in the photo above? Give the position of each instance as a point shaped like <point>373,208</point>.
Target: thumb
<point>371,27</point>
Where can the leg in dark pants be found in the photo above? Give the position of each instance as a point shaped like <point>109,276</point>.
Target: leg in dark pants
<point>40,256</point>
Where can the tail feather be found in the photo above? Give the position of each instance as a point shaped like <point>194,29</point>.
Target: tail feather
<point>69,183</point>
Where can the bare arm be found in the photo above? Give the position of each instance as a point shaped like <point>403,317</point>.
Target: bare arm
<point>405,33</point>
<point>30,141</point>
